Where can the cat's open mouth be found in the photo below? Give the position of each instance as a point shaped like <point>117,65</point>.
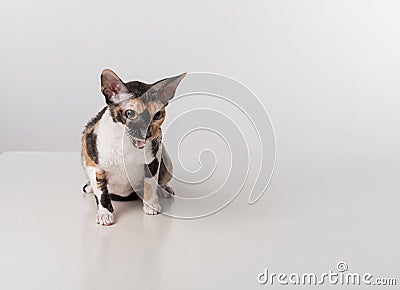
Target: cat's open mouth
<point>139,143</point>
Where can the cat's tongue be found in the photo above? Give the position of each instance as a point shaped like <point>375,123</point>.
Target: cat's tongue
<point>140,143</point>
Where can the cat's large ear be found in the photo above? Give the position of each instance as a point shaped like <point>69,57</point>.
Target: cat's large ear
<point>163,91</point>
<point>113,88</point>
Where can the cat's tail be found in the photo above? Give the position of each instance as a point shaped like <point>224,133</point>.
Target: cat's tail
<point>116,197</point>
<point>87,188</point>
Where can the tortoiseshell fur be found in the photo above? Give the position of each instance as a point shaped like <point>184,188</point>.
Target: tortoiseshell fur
<point>132,118</point>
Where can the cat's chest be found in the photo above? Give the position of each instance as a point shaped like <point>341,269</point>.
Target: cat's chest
<point>116,153</point>
<point>116,150</point>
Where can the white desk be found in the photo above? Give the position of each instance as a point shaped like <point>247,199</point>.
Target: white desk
<point>49,238</point>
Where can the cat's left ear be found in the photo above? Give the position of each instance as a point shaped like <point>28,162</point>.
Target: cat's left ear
<point>163,91</point>
<point>113,88</point>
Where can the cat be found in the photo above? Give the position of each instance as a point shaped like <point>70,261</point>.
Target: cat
<point>126,134</point>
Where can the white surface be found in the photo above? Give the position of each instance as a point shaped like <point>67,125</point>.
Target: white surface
<point>310,219</point>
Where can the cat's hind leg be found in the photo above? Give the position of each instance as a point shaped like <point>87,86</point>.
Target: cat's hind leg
<point>165,175</point>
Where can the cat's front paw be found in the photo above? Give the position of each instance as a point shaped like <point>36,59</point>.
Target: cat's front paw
<point>105,218</point>
<point>151,208</point>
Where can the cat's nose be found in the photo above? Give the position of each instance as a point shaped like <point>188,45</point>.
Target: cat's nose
<point>148,134</point>
<point>143,132</point>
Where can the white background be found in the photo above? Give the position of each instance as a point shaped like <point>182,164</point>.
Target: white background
<point>328,73</point>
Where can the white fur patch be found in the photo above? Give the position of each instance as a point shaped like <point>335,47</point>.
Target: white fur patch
<point>104,217</point>
<point>115,152</point>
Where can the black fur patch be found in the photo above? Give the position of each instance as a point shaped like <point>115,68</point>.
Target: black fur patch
<point>163,170</point>
<point>151,169</point>
<point>155,146</point>
<point>97,200</point>
<point>105,199</point>
<point>101,184</point>
<point>91,146</point>
<point>116,197</point>
<point>84,187</point>
<point>137,88</point>
<point>96,118</point>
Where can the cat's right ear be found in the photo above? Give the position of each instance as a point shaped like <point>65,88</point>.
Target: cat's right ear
<point>113,88</point>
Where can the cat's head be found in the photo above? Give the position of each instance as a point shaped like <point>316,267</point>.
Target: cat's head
<point>138,106</point>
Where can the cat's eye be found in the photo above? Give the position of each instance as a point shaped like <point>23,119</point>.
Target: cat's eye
<point>130,114</point>
<point>157,116</point>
